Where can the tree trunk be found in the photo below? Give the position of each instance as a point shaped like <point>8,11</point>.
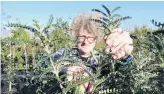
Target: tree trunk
<point>25,56</point>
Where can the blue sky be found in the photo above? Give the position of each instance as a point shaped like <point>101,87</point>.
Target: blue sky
<point>140,11</point>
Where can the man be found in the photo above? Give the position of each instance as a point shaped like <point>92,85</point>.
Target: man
<point>88,33</point>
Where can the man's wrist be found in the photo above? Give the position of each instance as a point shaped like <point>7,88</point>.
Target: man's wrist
<point>126,60</point>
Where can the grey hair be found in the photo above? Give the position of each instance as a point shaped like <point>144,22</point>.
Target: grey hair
<point>85,20</point>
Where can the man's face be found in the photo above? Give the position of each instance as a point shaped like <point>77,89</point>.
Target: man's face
<point>86,41</point>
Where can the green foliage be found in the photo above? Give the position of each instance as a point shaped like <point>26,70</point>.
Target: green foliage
<point>109,20</point>
<point>100,46</point>
<point>148,54</point>
<point>158,24</point>
<point>19,35</point>
<point>34,51</point>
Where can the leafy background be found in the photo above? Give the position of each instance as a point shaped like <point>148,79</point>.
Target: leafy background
<point>26,63</point>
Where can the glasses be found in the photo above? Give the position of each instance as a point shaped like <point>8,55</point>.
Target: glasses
<point>89,39</point>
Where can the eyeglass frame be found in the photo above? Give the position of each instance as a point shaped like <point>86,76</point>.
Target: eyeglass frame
<point>85,37</point>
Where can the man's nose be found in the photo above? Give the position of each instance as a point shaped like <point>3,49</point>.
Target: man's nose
<point>85,40</point>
